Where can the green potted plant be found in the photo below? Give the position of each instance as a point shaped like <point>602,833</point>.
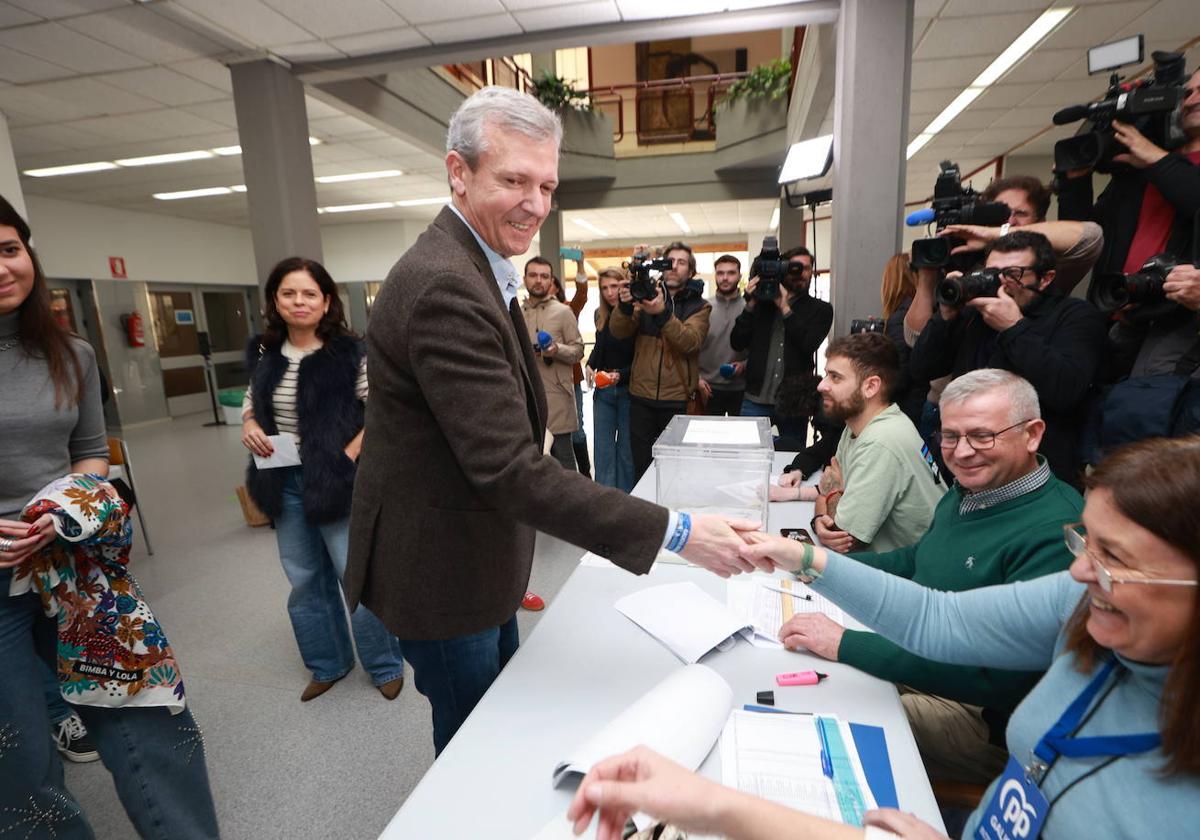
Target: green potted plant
<point>755,106</point>
<point>766,82</point>
<point>560,95</point>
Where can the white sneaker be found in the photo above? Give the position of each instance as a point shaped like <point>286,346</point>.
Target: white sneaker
<point>73,741</point>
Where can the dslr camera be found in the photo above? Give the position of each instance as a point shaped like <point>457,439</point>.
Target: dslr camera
<point>866,325</point>
<point>955,291</point>
<point>1150,105</point>
<point>953,204</point>
<point>769,269</point>
<point>1110,292</point>
<point>641,285</point>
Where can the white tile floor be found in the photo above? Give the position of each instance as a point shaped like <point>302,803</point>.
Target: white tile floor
<point>337,767</point>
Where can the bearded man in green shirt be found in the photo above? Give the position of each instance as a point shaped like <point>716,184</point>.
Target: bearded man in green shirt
<point>1001,522</point>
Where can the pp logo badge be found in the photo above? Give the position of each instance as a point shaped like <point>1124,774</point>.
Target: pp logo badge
<point>1016,810</point>
<point>1017,813</point>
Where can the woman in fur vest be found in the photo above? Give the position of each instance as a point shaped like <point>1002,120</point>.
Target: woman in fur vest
<point>309,380</point>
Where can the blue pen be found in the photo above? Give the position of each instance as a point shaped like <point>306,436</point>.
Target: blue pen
<point>826,762</point>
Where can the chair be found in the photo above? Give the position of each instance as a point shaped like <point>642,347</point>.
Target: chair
<point>120,468</point>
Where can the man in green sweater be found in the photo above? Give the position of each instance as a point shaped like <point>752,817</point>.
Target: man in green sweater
<point>1001,522</point>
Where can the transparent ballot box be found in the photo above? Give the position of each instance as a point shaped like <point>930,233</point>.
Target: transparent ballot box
<point>718,465</point>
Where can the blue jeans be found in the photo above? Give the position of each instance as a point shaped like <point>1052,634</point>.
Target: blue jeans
<point>454,674</point>
<point>156,758</point>
<point>314,560</point>
<point>610,425</point>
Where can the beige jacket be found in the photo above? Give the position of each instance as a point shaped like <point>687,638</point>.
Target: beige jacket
<point>558,320</point>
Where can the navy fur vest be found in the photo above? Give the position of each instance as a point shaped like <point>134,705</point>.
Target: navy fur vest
<point>331,414</point>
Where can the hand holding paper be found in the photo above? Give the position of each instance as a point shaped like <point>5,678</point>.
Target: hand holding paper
<point>285,454</point>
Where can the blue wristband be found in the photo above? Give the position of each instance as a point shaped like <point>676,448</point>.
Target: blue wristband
<point>683,530</point>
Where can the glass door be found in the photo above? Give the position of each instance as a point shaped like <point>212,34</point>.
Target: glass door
<point>191,321</point>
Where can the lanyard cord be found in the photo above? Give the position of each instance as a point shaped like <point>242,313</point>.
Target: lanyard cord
<point>1050,805</point>
<point>1090,712</point>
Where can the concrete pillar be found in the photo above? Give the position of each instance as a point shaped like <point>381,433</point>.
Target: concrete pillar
<point>276,163</point>
<point>550,239</point>
<point>10,176</point>
<point>791,226</point>
<point>870,133</point>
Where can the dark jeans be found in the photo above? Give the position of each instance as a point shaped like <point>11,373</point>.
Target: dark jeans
<point>725,402</point>
<point>156,759</point>
<point>563,451</point>
<point>454,674</point>
<point>646,422</point>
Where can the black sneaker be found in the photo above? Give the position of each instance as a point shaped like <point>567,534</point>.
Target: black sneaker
<point>73,741</point>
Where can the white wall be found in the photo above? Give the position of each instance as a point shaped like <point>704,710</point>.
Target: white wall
<point>76,240</point>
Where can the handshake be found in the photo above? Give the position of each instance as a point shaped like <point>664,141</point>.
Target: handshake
<point>730,547</point>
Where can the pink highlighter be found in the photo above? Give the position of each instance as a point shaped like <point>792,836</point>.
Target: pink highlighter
<point>800,678</point>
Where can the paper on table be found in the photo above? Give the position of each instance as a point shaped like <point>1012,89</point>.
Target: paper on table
<point>682,616</point>
<point>286,453</point>
<point>680,718</point>
<point>778,757</point>
<point>721,431</point>
<point>767,610</point>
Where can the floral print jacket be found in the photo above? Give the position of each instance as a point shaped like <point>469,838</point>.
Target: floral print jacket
<point>111,649</point>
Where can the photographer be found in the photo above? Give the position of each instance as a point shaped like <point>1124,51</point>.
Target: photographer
<point>670,329</point>
<point>1055,342</point>
<point>782,336</point>
<point>1076,244</point>
<point>1149,207</point>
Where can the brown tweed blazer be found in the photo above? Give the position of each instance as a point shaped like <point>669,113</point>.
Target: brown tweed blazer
<point>452,483</point>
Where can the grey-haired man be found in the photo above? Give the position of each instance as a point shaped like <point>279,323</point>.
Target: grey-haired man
<point>452,484</point>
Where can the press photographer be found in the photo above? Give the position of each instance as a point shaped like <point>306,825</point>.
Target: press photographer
<point>782,327</point>
<point>663,309</point>
<point>1149,204</point>
<point>1007,316</point>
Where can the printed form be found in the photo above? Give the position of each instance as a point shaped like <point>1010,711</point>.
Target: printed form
<point>759,602</point>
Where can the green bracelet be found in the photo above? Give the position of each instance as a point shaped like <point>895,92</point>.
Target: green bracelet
<point>806,573</point>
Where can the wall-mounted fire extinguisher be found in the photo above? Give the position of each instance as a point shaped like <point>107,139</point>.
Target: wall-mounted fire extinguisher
<point>135,333</point>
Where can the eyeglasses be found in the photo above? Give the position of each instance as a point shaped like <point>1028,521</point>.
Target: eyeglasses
<point>975,440</point>
<point>1076,542</point>
<point>1014,272</point>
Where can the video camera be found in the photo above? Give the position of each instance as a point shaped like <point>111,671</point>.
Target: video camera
<point>866,325</point>
<point>1150,105</point>
<point>641,285</point>
<point>955,291</point>
<point>953,204</point>
<point>769,269</point>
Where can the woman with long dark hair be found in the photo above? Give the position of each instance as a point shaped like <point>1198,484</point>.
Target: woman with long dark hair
<point>52,426</point>
<point>309,381</point>
<point>1106,744</point>
<point>612,357</point>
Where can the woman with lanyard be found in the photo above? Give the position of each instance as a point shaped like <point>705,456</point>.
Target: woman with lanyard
<point>52,425</point>
<point>1106,744</point>
<point>309,380</point>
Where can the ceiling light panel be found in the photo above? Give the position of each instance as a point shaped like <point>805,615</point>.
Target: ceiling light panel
<point>173,157</point>
<point>71,169</point>
<point>359,176</point>
<point>353,208</point>
<point>200,193</point>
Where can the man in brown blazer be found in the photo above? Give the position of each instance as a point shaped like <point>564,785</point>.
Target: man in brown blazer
<point>452,484</point>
